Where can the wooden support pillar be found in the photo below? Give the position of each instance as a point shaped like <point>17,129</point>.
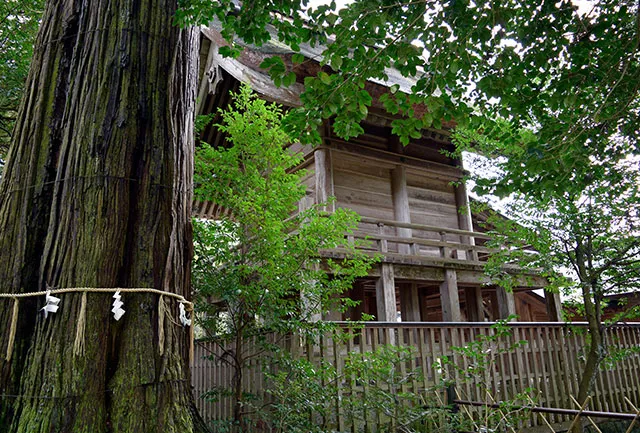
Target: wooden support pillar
<point>324,178</point>
<point>475,309</point>
<point>410,303</point>
<point>401,204</point>
<point>554,306</point>
<point>506,303</point>
<point>449,297</point>
<point>386,294</point>
<point>464,218</point>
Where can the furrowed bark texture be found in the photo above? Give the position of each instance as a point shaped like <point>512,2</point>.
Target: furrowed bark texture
<point>97,192</point>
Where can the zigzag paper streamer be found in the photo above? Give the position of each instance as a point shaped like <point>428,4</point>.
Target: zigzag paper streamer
<point>183,316</point>
<point>117,306</point>
<point>51,305</point>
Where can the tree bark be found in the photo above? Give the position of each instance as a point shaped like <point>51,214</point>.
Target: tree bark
<point>97,192</point>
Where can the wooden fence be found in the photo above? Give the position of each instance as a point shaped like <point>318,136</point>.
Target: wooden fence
<point>545,357</point>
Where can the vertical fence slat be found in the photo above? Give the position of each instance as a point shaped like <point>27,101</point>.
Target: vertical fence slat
<point>553,368</point>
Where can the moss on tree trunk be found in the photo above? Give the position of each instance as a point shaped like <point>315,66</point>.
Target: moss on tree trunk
<point>97,192</point>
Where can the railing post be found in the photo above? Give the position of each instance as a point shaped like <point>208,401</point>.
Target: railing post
<point>351,240</point>
<point>382,243</point>
<point>445,252</point>
<point>414,249</point>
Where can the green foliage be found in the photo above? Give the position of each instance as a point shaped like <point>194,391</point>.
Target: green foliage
<point>591,234</point>
<point>19,21</point>
<point>371,386</point>
<point>303,396</point>
<point>568,76</point>
<point>257,271</point>
<point>387,392</point>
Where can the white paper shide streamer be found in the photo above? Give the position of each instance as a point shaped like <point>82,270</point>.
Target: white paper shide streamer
<point>117,306</point>
<point>183,316</point>
<point>51,304</point>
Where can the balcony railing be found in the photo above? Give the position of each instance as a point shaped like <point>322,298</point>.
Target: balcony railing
<point>425,240</point>
<point>421,244</point>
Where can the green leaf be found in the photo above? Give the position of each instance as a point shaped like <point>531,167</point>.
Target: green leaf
<point>324,77</point>
<point>229,51</point>
<point>336,62</point>
<point>289,79</point>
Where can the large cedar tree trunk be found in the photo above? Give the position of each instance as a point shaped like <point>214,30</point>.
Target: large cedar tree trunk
<point>97,192</point>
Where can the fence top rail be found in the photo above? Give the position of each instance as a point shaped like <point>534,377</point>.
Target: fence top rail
<point>474,324</point>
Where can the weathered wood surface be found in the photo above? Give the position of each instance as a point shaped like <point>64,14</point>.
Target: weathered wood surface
<point>549,361</point>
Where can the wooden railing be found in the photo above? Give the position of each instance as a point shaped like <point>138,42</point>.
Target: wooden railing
<point>402,242</point>
<point>425,240</point>
<point>549,360</point>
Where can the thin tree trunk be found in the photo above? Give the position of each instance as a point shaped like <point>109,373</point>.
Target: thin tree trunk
<point>596,335</point>
<point>596,346</point>
<point>97,192</point>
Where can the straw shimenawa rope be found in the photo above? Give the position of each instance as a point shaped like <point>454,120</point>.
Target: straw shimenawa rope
<point>78,345</point>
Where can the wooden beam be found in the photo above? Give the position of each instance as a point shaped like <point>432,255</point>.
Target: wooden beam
<point>506,303</point>
<point>444,171</point>
<point>386,294</point>
<point>554,306</point>
<point>204,78</point>
<point>431,268</point>
<point>449,297</point>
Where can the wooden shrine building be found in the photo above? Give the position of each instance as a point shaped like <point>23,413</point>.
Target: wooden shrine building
<point>412,204</point>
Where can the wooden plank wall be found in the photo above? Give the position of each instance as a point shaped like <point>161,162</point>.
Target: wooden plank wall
<point>362,181</point>
<point>432,200</point>
<point>363,186</point>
